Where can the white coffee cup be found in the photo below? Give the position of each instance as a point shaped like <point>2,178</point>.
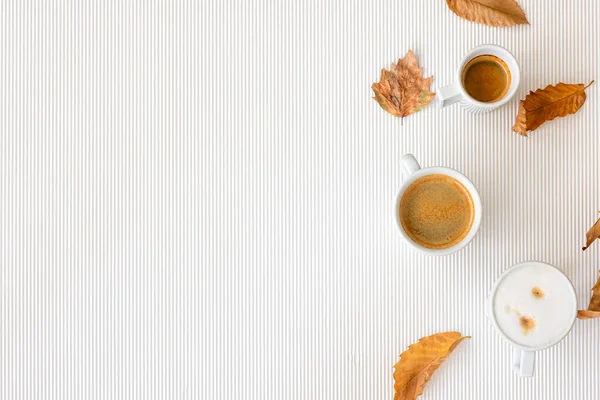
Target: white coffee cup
<point>414,172</point>
<point>524,356</point>
<point>455,92</point>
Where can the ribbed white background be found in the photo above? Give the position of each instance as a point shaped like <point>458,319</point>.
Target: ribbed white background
<point>196,199</point>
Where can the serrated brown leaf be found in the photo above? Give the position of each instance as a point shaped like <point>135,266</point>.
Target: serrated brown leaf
<point>592,234</point>
<point>548,103</point>
<point>402,90</point>
<point>593,310</point>
<point>420,361</point>
<point>489,12</point>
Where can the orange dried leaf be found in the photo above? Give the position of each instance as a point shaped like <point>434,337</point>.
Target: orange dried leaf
<point>546,104</point>
<point>593,310</point>
<point>489,12</point>
<point>420,361</point>
<point>402,90</point>
<point>587,314</point>
<point>592,234</point>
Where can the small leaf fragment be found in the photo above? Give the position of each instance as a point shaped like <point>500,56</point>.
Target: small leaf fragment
<point>593,310</point>
<point>592,234</point>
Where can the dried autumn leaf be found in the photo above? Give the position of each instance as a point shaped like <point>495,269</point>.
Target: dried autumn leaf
<point>546,104</point>
<point>420,361</point>
<point>593,310</point>
<point>489,12</point>
<point>402,90</point>
<point>592,234</point>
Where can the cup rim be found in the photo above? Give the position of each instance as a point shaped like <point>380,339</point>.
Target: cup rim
<point>452,173</point>
<point>492,316</point>
<point>515,75</point>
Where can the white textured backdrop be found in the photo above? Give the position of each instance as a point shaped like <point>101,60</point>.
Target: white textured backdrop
<point>196,199</point>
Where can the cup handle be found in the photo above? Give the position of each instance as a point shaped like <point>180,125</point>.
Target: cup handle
<point>410,164</point>
<point>449,95</point>
<point>523,362</point>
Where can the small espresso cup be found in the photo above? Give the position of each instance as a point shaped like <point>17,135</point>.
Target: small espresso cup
<point>414,172</point>
<point>456,92</point>
<point>562,312</point>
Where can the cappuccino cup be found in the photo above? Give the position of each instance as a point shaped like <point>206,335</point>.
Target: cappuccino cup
<point>533,306</point>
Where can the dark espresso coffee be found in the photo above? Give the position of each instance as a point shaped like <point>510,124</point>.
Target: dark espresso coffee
<point>486,78</point>
<point>436,211</point>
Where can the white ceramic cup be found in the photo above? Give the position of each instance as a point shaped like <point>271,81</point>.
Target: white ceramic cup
<point>523,362</point>
<point>414,172</point>
<point>455,92</point>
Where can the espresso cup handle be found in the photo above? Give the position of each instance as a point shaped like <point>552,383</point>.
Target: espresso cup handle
<point>449,95</point>
<point>523,362</point>
<point>410,164</point>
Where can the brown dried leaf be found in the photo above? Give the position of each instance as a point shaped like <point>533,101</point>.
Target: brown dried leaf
<point>489,12</point>
<point>546,104</point>
<point>402,90</point>
<point>592,234</point>
<point>420,361</point>
<point>593,310</point>
<point>587,314</point>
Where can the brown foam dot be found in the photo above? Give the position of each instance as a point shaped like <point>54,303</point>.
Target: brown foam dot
<point>537,292</point>
<point>527,323</point>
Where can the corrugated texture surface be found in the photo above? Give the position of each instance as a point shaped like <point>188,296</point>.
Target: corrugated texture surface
<point>196,200</point>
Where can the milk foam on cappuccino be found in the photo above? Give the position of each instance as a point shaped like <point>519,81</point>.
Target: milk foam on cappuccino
<point>534,305</point>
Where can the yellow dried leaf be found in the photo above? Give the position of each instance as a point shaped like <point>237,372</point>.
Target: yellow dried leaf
<point>489,12</point>
<point>592,234</point>
<point>402,90</point>
<point>593,310</point>
<point>546,104</point>
<point>420,361</point>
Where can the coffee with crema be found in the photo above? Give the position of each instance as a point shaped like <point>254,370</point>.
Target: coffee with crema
<point>436,211</point>
<point>486,78</point>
